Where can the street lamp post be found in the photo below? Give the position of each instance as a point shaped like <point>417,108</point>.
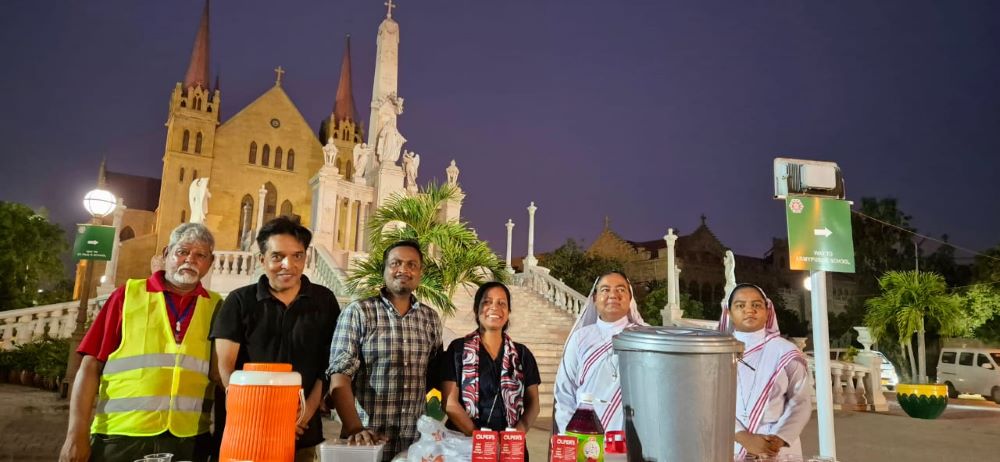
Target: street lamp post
<point>99,203</point>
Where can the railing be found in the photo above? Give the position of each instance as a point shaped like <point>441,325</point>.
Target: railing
<point>323,271</point>
<point>57,320</point>
<point>231,270</point>
<point>555,291</point>
<point>855,387</point>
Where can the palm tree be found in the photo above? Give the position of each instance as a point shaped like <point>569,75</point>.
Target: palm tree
<point>453,254</point>
<point>912,302</point>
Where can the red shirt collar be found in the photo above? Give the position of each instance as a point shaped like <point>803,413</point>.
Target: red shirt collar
<point>157,283</point>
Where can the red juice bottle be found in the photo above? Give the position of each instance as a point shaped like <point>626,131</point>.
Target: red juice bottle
<point>587,429</point>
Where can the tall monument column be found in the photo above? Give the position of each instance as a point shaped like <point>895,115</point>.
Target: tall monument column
<point>261,196</point>
<point>672,311</point>
<point>510,235</point>
<point>530,260</point>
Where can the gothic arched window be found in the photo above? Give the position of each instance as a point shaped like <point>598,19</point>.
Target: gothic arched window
<point>265,156</point>
<point>277,157</point>
<point>126,234</point>
<point>185,141</point>
<point>182,175</point>
<point>197,143</point>
<point>253,152</point>
<point>245,236</point>
<point>286,209</point>
<point>291,160</point>
<point>270,201</point>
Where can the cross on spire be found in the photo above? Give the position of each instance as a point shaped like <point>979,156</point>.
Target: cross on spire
<point>389,6</point>
<point>607,222</point>
<point>279,71</point>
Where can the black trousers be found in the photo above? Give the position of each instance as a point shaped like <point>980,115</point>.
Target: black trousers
<point>121,448</point>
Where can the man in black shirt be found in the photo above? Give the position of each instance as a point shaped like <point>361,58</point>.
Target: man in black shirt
<point>283,318</point>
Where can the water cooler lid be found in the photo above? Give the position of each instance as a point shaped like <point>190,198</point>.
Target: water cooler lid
<point>265,378</point>
<point>676,340</point>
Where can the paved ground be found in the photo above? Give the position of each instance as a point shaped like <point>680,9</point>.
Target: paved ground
<point>33,426</point>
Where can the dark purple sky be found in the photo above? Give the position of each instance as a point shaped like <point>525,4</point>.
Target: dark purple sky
<point>650,112</point>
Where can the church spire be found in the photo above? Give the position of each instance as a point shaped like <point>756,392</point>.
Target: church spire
<point>343,107</point>
<point>197,72</point>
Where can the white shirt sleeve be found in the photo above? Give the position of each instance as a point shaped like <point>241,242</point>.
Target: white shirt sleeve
<point>566,380</point>
<point>798,403</point>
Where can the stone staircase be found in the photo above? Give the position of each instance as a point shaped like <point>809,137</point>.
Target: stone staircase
<point>535,322</point>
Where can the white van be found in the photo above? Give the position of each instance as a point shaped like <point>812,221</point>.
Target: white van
<point>970,370</point>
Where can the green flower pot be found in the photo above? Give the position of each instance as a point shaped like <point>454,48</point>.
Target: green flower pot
<point>926,401</point>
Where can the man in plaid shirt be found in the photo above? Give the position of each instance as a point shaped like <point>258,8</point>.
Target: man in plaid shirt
<point>381,353</point>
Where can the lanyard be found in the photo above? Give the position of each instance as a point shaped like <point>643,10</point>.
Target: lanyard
<point>179,317</point>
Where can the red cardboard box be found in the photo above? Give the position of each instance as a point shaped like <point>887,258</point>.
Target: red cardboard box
<point>563,449</point>
<point>485,446</point>
<point>512,446</point>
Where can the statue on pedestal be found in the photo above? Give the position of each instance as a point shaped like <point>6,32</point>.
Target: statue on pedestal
<point>330,155</point>
<point>198,196</point>
<point>411,162</point>
<point>452,172</point>
<point>390,141</point>
<point>362,156</point>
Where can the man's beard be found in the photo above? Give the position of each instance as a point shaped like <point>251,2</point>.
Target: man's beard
<point>183,278</point>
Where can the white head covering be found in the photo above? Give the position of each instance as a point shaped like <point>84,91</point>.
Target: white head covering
<point>770,327</point>
<point>589,314</point>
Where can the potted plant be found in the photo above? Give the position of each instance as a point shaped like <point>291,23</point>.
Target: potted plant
<point>910,303</point>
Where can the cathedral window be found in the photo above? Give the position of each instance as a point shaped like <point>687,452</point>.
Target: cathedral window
<point>277,157</point>
<point>126,234</point>
<point>286,209</point>
<point>182,175</point>
<point>265,156</point>
<point>253,152</point>
<point>183,216</point>
<point>245,236</point>
<point>194,175</point>
<point>197,143</point>
<point>270,201</point>
<point>290,164</point>
<point>197,103</point>
<point>185,141</point>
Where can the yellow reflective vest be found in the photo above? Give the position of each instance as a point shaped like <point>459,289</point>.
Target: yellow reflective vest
<point>151,384</point>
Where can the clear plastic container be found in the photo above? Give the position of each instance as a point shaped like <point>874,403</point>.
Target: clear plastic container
<point>340,451</point>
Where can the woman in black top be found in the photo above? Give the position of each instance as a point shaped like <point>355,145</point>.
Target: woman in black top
<point>489,380</point>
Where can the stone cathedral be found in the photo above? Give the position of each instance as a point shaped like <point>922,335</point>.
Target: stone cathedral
<point>266,160</point>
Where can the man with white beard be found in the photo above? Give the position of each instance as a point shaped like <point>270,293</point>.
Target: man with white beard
<point>146,363</point>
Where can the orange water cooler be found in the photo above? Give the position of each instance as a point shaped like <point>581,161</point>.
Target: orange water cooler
<point>263,406</point>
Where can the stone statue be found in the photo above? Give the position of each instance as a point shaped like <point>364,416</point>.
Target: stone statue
<point>330,154</point>
<point>411,162</point>
<point>198,196</point>
<point>730,264</point>
<point>390,141</point>
<point>362,156</point>
<point>452,172</point>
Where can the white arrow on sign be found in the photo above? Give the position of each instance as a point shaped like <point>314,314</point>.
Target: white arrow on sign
<point>825,232</point>
<point>92,242</point>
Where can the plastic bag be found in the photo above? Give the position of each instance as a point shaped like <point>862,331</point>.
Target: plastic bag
<point>438,444</point>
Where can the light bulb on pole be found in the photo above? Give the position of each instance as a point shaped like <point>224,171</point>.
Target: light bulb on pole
<point>98,203</point>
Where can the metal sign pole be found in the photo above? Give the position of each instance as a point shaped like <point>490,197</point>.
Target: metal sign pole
<point>821,353</point>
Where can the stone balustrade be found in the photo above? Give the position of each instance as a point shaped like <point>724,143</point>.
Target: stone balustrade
<point>57,320</point>
<point>854,386</point>
<point>553,290</point>
<point>321,270</point>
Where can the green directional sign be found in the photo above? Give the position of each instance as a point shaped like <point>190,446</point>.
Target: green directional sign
<point>819,234</point>
<point>93,242</point>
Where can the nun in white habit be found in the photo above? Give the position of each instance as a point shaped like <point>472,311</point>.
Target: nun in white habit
<point>589,364</point>
<point>773,402</point>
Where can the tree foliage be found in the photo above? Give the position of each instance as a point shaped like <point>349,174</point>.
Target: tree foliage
<point>30,247</point>
<point>656,299</point>
<point>879,248</point>
<point>575,267</point>
<point>453,254</point>
<point>911,303</point>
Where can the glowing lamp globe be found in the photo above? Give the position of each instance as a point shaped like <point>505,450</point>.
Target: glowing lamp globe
<point>99,203</point>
